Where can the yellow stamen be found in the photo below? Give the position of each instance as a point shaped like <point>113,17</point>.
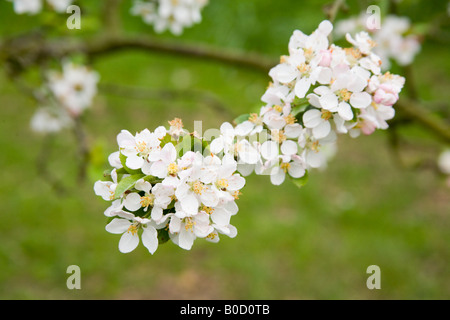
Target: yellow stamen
<point>278,136</point>
<point>285,166</point>
<point>278,108</point>
<point>344,94</point>
<point>147,200</point>
<point>290,119</point>
<point>197,187</point>
<point>177,122</point>
<point>172,168</point>
<point>326,115</point>
<point>133,229</point>
<point>222,184</point>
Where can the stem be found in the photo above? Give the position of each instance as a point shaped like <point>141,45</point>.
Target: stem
<point>83,149</point>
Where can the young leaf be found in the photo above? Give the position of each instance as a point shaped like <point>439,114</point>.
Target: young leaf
<point>126,184</point>
<point>241,118</point>
<point>300,182</point>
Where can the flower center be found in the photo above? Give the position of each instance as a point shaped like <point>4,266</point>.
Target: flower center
<point>344,95</point>
<point>147,200</point>
<point>278,108</point>
<point>278,136</point>
<point>197,187</point>
<point>222,184</point>
<point>141,146</point>
<point>189,224</point>
<point>326,115</point>
<point>133,229</point>
<point>290,119</point>
<point>304,69</point>
<point>206,209</point>
<point>285,166</point>
<point>172,168</point>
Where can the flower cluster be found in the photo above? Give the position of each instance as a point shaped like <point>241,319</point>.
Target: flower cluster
<point>318,90</point>
<point>173,15</point>
<point>394,37</point>
<point>163,187</point>
<point>35,6</point>
<point>172,184</point>
<point>70,93</point>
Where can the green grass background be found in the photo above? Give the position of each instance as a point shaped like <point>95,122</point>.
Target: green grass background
<point>309,243</point>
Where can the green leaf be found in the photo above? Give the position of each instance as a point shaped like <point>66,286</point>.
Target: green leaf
<point>123,160</point>
<point>126,184</point>
<point>241,118</point>
<point>163,235</point>
<point>300,182</point>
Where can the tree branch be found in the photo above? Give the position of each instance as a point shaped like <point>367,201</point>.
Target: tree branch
<point>412,110</point>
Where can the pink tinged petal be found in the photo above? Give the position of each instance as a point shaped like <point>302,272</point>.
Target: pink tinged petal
<point>118,226</point>
<point>301,87</point>
<point>150,239</point>
<point>269,150</point>
<point>322,130</point>
<point>289,147</point>
<point>296,170</point>
<point>236,182</point>
<point>190,204</point>
<point>277,176</point>
<point>132,202</point>
<point>345,111</point>
<point>128,242</point>
<point>360,100</point>
<point>312,118</point>
<point>134,162</point>
<point>186,239</point>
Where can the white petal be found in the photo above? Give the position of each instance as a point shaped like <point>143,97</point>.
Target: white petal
<point>301,87</point>
<point>269,150</point>
<point>296,170</point>
<point>360,100</point>
<point>345,111</point>
<point>220,217</point>
<point>277,176</point>
<point>236,182</point>
<point>186,239</point>
<point>293,130</point>
<point>190,204</point>
<point>289,147</point>
<point>132,202</point>
<point>128,242</point>
<point>118,226</point>
<point>312,118</point>
<point>322,130</point>
<point>134,162</point>
<point>150,239</point>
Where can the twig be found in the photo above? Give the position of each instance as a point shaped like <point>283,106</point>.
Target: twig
<point>83,149</point>
<point>42,166</point>
<point>411,109</point>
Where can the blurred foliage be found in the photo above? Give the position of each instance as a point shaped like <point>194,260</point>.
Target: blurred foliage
<point>315,242</point>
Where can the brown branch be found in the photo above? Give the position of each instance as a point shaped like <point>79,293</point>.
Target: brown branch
<point>100,46</point>
<point>412,110</point>
<point>83,149</point>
